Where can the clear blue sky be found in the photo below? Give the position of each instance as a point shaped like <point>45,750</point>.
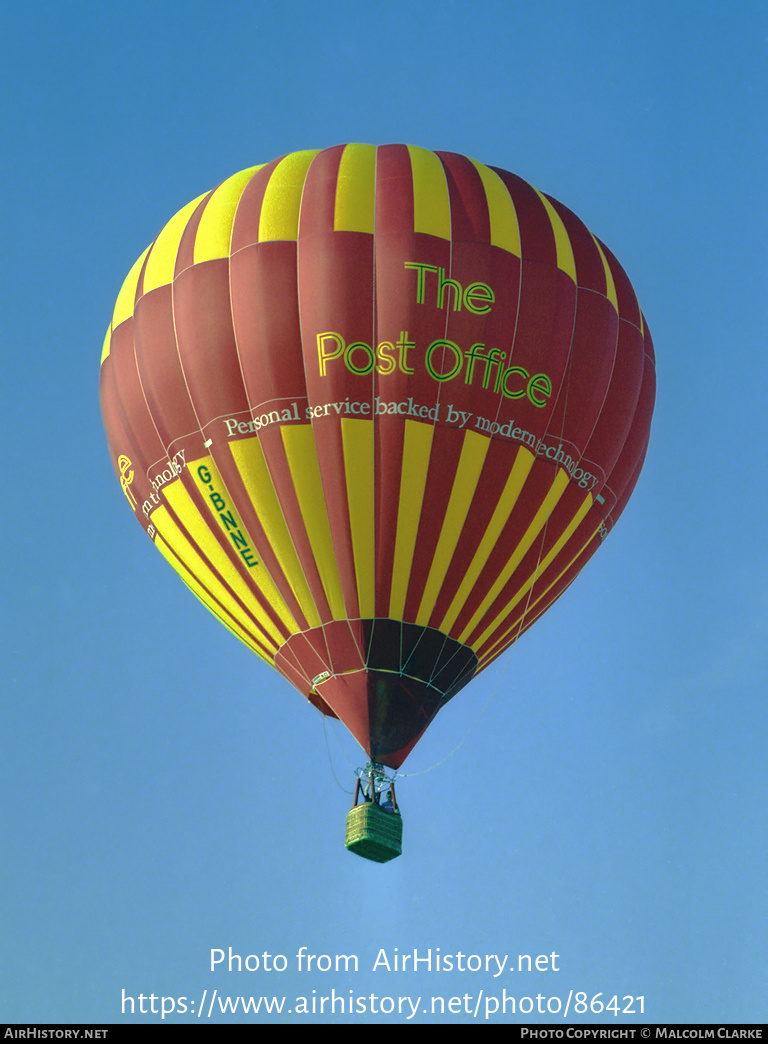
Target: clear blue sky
<point>162,793</point>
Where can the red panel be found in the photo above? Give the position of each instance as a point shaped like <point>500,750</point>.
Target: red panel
<point>203,320</point>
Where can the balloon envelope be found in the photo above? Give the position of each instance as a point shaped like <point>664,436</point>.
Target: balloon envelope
<point>377,406</point>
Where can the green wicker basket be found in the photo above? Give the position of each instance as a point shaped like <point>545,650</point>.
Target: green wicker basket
<point>373,833</point>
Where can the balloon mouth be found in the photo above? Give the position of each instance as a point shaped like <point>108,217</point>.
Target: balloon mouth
<point>385,679</point>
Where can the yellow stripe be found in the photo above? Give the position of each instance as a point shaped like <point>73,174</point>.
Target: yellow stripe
<point>562,240</point>
<point>216,496</point>
<point>517,476</point>
<point>610,286</point>
<point>162,255</point>
<point>357,439</point>
<point>413,479</point>
<point>431,203</point>
<point>214,233</point>
<point>553,495</point>
<point>470,465</point>
<point>198,566</point>
<point>127,296</point>
<point>528,613</point>
<point>210,603</point>
<point>106,346</point>
<point>299,443</point>
<point>249,458</point>
<point>355,189</point>
<point>199,530</point>
<point>505,231</point>
<point>282,200</point>
<point>540,569</point>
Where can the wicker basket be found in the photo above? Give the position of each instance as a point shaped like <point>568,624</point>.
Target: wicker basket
<point>374,833</point>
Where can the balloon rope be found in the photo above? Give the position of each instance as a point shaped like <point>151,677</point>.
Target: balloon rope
<point>330,758</point>
<point>460,744</point>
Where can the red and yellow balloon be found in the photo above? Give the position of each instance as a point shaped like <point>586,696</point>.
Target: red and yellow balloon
<point>377,406</point>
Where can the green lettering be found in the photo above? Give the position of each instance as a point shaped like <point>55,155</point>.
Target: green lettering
<point>370,358</point>
<point>542,384</point>
<point>386,363</point>
<point>478,297</point>
<point>457,354</point>
<point>442,283</point>
<point>404,344</point>
<point>510,370</point>
<point>421,269</point>
<point>238,539</point>
<point>324,354</point>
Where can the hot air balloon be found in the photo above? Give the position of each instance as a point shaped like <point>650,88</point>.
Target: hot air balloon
<point>377,406</point>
